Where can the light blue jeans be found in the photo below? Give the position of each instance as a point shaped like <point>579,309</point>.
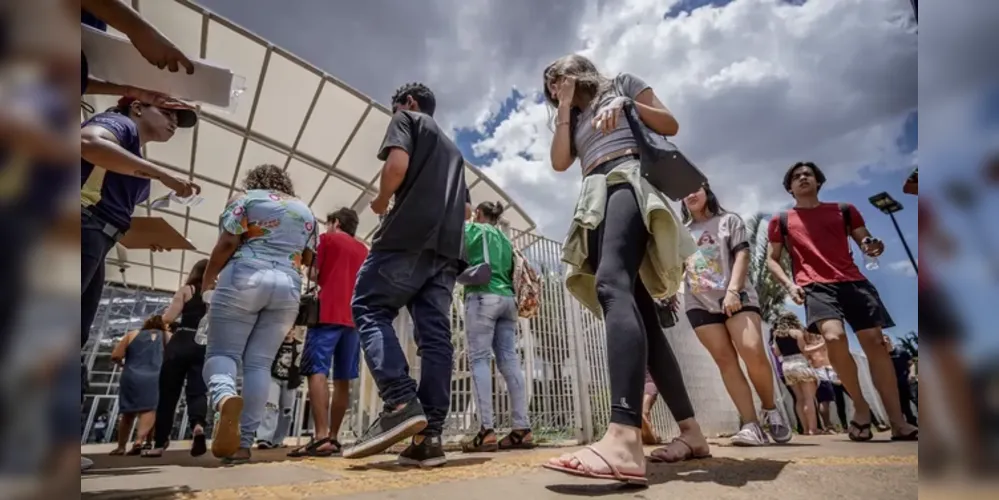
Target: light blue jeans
<point>491,326</point>
<point>276,422</point>
<point>253,308</point>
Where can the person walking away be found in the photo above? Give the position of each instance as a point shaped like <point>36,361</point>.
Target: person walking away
<point>491,316</point>
<point>416,255</point>
<point>140,354</point>
<point>834,291</point>
<point>285,380</point>
<point>621,222</point>
<point>904,366</point>
<point>183,363</point>
<point>266,235</point>
<point>723,308</point>
<point>333,346</point>
<point>789,336</point>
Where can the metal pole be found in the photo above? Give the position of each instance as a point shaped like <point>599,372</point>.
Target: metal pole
<point>908,252</point>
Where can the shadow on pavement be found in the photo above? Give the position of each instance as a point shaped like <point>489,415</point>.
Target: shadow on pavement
<point>392,466</point>
<point>165,493</point>
<point>723,471</point>
<point>180,458</point>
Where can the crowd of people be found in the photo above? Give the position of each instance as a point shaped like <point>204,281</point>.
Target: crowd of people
<point>626,249</point>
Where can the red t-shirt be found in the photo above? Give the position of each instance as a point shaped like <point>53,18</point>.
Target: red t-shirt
<point>339,257</point>
<point>817,241</point>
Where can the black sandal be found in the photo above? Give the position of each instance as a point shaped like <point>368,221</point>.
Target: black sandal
<point>515,440</point>
<point>199,445</point>
<point>312,449</point>
<point>863,432</point>
<point>478,444</point>
<point>912,436</point>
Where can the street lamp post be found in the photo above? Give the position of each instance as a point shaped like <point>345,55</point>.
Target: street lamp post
<point>888,205</point>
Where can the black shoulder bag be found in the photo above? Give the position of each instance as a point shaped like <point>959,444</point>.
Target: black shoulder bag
<point>308,307</point>
<point>662,163</point>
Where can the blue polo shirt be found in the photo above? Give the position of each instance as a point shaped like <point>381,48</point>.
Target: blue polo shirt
<point>110,196</point>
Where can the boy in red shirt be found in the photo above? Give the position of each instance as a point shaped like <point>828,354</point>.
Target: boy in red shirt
<point>833,290</point>
<point>334,341</point>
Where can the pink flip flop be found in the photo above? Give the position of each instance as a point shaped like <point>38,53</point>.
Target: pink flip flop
<point>615,475</point>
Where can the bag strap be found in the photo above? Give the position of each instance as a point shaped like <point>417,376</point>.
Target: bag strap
<point>315,257</point>
<point>485,246</point>
<point>844,209</point>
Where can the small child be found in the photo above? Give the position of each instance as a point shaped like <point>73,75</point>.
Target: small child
<point>285,379</point>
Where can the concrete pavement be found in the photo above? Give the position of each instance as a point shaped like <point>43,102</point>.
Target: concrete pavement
<point>826,467</point>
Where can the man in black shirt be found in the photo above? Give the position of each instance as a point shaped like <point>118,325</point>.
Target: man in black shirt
<point>416,255</point>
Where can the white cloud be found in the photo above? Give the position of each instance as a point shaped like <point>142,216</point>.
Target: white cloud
<point>756,85</point>
<point>903,267</point>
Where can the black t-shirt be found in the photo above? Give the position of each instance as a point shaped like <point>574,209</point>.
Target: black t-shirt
<point>429,208</point>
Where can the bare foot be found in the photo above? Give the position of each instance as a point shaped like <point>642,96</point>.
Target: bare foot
<point>621,446</point>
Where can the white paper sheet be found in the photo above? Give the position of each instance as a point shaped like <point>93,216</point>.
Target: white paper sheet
<point>113,59</point>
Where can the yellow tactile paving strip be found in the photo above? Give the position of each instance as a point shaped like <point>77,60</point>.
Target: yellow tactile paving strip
<point>381,474</point>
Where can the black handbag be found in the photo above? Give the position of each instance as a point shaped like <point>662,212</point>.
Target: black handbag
<point>308,306</point>
<point>666,312</point>
<point>662,163</point>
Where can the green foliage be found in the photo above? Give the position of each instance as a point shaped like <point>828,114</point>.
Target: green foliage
<point>772,294</point>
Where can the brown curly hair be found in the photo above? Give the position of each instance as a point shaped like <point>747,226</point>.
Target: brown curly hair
<point>269,177</point>
<point>786,322</point>
<point>155,322</point>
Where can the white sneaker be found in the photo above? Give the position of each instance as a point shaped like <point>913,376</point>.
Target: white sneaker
<point>85,464</point>
<point>774,422</point>
<point>750,435</point>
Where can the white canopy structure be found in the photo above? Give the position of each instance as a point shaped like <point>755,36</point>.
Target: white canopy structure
<point>324,133</point>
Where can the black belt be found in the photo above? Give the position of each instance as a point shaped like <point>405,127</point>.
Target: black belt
<point>605,167</point>
<point>109,229</point>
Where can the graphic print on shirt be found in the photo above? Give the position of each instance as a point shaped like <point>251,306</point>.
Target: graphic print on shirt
<point>704,268</point>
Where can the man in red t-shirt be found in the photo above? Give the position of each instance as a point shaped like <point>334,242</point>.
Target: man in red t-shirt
<point>334,342</point>
<point>833,291</point>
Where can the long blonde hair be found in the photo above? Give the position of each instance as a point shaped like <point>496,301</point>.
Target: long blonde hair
<point>589,82</point>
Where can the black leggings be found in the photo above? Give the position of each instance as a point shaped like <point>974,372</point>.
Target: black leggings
<point>183,360</point>
<point>616,249</point>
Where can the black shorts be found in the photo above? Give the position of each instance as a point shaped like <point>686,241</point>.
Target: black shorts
<point>825,392</point>
<point>855,302</point>
<point>936,316</point>
<point>700,317</point>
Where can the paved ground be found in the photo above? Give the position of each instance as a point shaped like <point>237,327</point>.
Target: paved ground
<point>826,467</point>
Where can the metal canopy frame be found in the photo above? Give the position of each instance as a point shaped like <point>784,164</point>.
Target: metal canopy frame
<point>293,114</point>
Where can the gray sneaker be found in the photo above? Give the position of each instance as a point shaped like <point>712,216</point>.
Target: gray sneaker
<point>774,422</point>
<point>85,464</point>
<point>750,435</point>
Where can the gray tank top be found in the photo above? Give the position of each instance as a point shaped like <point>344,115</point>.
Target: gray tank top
<point>592,144</point>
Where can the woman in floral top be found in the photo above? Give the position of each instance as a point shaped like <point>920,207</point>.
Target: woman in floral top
<point>266,235</point>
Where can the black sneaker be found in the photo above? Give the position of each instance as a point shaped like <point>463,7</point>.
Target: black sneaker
<point>427,453</point>
<point>388,429</point>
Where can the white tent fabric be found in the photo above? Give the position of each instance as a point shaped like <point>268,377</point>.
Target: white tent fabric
<point>291,114</point>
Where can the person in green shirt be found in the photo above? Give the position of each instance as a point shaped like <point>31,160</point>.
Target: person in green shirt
<point>491,326</point>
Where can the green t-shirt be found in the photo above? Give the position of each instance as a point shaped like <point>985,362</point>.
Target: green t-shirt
<point>500,258</point>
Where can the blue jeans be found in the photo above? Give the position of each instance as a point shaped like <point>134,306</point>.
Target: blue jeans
<point>491,325</point>
<point>277,413</point>
<point>253,308</point>
<point>423,283</point>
